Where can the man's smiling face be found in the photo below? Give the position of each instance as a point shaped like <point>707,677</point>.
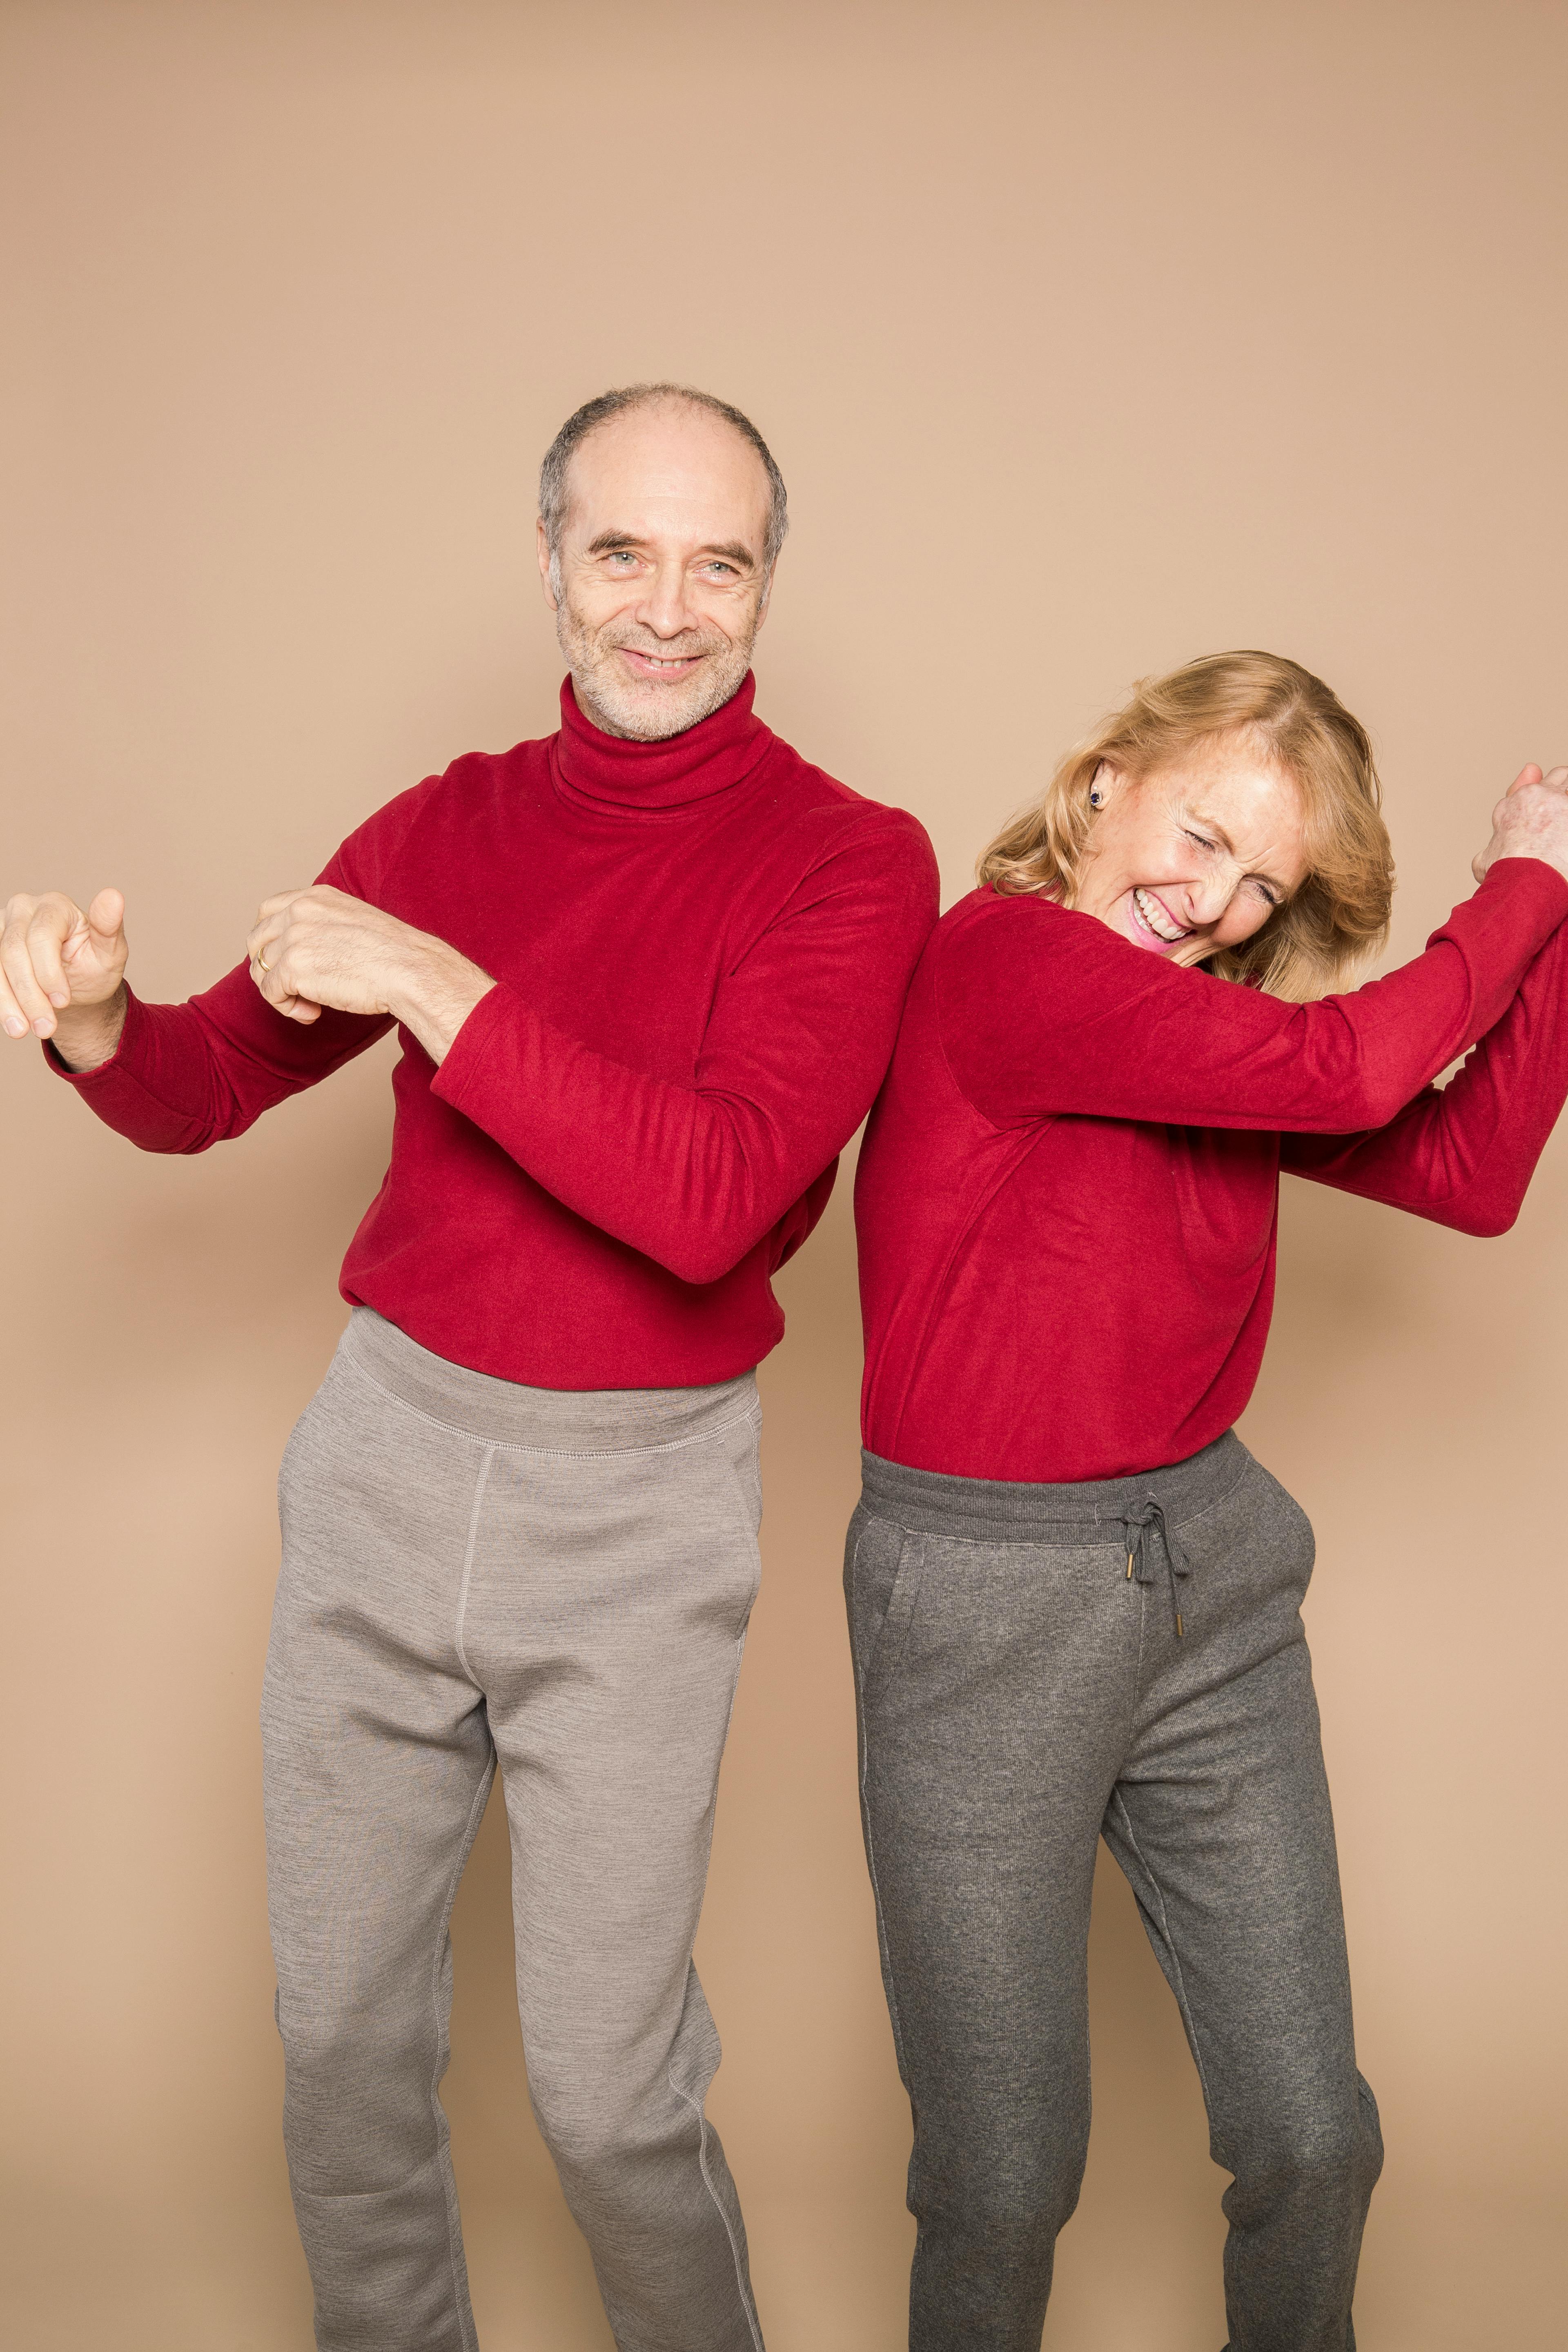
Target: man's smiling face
<point>659,582</point>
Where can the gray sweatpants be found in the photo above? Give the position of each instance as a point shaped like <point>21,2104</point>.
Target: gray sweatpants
<point>474,1571</point>
<point>1024,1691</point>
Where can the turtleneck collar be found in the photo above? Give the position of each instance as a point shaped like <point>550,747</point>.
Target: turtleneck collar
<point>608,773</point>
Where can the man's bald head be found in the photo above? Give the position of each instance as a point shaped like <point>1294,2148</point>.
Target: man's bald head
<point>661,513</point>
<point>554,484</point>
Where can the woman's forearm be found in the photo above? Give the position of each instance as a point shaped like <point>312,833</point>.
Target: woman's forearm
<point>1463,1155</point>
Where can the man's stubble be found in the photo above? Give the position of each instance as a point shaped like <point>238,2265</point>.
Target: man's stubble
<point>649,715</point>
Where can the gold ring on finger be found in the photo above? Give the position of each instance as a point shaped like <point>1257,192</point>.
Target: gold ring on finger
<point>261,960</point>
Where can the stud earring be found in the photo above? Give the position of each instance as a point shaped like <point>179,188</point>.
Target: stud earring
<point>1096,799</point>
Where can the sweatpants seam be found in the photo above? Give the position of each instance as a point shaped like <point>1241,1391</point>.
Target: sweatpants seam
<point>459,2294</point>
<point>480,1483</point>
<point>553,1453</point>
<point>894,2018</point>
<point>1188,2014</point>
<point>747,2305</point>
<point>740,2288</point>
<point>863,1737</point>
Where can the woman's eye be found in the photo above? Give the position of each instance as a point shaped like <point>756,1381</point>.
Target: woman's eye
<point>1199,838</point>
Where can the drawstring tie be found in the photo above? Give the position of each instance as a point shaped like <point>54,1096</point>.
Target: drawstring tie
<point>1141,1522</point>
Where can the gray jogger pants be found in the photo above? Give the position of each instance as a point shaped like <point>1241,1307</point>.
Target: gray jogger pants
<point>472,1572</point>
<point>1024,1691</point>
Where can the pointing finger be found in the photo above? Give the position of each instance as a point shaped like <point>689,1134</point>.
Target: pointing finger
<point>106,916</point>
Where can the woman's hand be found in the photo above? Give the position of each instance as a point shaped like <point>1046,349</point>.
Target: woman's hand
<point>1530,821</point>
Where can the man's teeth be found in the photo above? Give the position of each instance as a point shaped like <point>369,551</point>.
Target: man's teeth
<point>1159,923</point>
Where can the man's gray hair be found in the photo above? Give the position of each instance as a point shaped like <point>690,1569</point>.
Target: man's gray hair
<point>594,412</point>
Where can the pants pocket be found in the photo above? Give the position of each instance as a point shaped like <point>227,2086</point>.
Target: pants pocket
<point>887,1567</point>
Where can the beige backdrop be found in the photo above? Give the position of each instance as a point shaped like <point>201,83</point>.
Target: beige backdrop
<point>1090,338</point>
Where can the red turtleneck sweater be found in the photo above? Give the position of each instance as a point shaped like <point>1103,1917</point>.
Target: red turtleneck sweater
<point>700,949</point>
<point>1067,1193</point>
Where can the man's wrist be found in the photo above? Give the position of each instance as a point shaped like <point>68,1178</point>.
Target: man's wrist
<point>434,991</point>
<point>87,1035</point>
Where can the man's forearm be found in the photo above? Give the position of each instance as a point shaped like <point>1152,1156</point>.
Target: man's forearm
<point>86,1035</point>
<point>434,993</point>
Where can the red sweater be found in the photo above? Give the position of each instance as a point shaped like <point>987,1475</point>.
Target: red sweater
<point>701,950</point>
<point>1067,1194</point>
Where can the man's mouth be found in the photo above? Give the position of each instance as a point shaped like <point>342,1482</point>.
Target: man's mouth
<point>659,665</point>
<point>1152,914</point>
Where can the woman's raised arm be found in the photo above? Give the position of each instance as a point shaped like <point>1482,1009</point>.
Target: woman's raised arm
<point>1044,1010</point>
<point>1464,1154</point>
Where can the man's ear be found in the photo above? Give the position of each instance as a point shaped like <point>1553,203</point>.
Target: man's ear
<point>550,597</point>
<point>767,593</point>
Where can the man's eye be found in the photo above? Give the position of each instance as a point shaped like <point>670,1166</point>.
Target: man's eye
<point>622,555</point>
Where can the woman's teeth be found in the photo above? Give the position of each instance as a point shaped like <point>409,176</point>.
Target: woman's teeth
<point>1157,919</point>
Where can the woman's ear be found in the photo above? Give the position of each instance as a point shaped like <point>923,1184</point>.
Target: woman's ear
<point>1102,783</point>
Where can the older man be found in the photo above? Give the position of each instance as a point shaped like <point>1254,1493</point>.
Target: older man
<point>646,973</point>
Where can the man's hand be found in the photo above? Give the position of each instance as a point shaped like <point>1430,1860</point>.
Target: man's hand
<point>62,973</point>
<point>1530,821</point>
<point>316,947</point>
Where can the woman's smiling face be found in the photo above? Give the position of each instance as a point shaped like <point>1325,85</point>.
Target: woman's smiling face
<point>1195,856</point>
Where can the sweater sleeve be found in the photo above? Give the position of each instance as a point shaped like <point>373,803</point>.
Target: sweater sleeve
<point>1464,1154</point>
<point>185,1076</point>
<point>1043,1011</point>
<point>802,1029</point>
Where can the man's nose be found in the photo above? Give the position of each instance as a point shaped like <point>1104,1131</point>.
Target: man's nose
<point>663,607</point>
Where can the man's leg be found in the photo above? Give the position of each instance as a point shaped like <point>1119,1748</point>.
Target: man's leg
<point>994,1681</point>
<point>607,1608</point>
<point>378,1761</point>
<point>1221,1823</point>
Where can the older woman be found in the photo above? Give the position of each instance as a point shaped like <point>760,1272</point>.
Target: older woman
<point>1073,1593</point>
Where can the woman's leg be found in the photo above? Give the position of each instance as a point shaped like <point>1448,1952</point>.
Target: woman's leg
<point>1221,1822</point>
<point>994,1683</point>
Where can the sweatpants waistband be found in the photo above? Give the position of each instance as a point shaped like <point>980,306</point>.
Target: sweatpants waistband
<point>1008,1510</point>
<point>540,1421</point>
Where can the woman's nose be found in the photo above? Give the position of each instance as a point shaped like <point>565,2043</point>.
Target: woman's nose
<point>1208,898</point>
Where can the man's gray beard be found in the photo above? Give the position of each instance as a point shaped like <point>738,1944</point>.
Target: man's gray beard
<point>605,696</point>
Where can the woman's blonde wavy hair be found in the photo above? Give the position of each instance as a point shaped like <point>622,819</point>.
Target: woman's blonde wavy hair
<point>1339,917</point>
